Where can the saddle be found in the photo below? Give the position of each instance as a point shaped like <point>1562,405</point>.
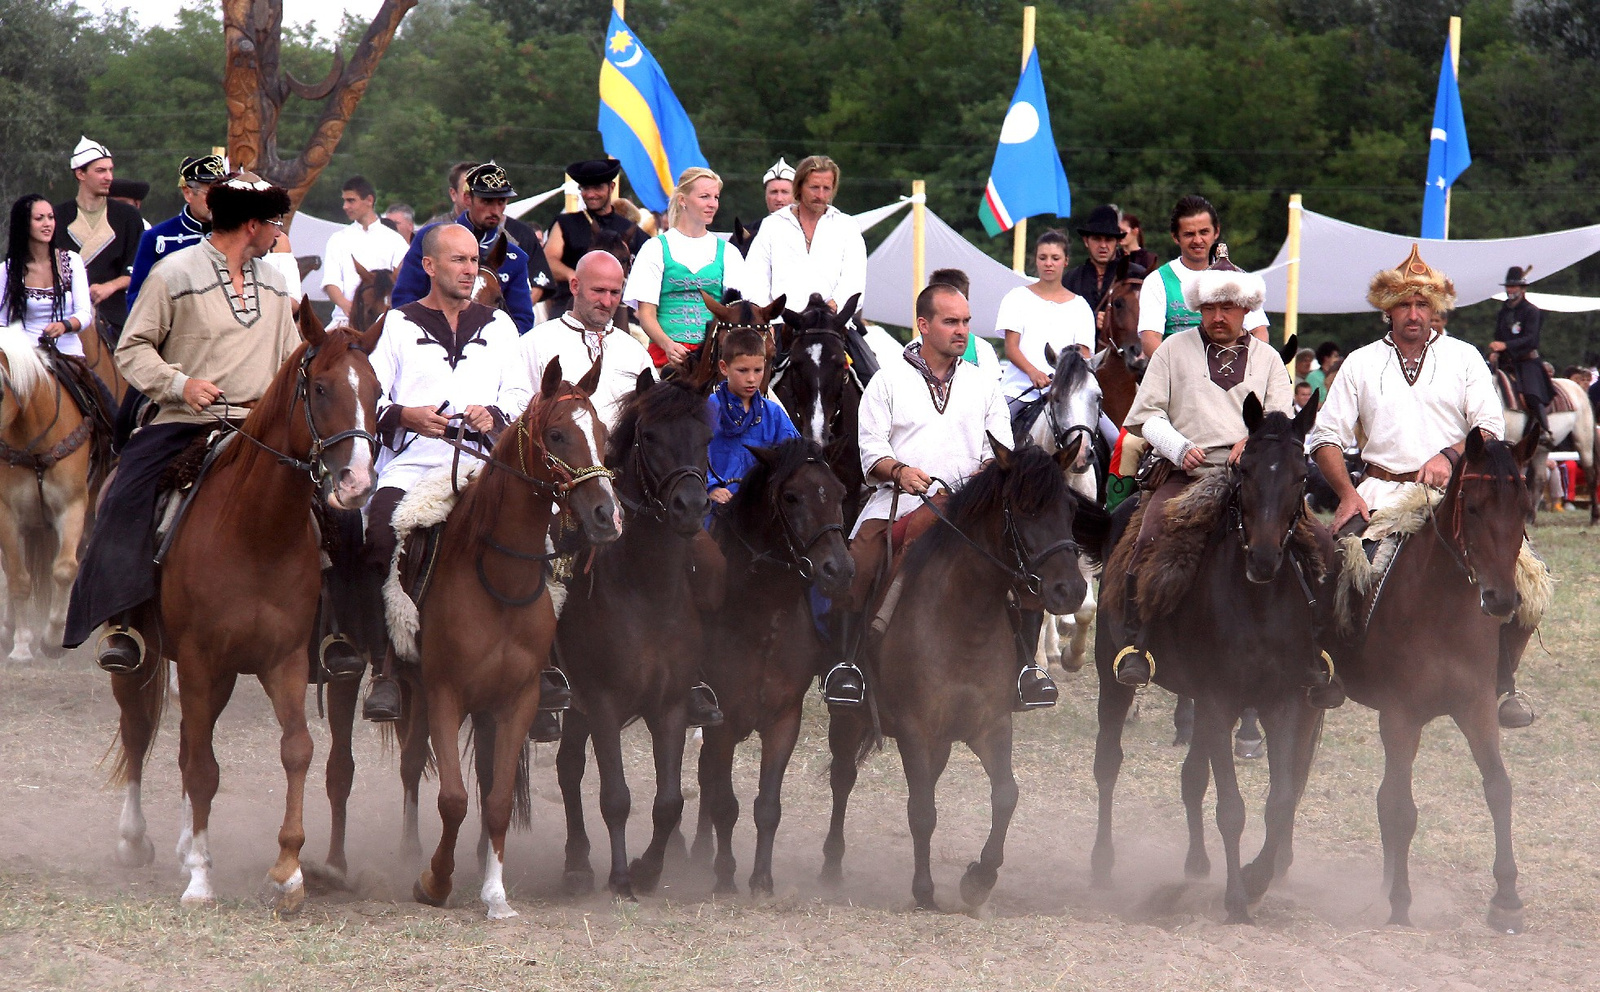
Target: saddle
<point>1026,416</point>
<point>93,401</point>
<point>178,483</point>
<point>417,522</point>
<point>1509,395</point>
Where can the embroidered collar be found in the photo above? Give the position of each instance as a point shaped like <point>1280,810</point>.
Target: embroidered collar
<point>938,386</point>
<point>1412,370</point>
<point>594,342</point>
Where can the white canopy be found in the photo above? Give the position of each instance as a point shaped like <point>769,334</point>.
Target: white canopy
<point>1557,303</point>
<point>309,235</point>
<point>890,295</point>
<point>1337,261</point>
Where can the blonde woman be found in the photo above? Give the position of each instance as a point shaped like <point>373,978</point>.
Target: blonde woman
<point>673,268</point>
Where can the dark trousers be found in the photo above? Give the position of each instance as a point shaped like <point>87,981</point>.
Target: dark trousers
<point>118,570</point>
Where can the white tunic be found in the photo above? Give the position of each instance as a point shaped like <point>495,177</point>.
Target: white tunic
<point>899,421</point>
<point>780,263</point>
<point>1040,323</point>
<point>375,247</point>
<point>623,359</point>
<point>1399,426</point>
<point>414,369</point>
<point>39,305</point>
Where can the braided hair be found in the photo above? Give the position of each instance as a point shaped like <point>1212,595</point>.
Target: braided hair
<point>19,251</point>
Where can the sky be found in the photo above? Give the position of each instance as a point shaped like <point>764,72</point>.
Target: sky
<point>325,14</point>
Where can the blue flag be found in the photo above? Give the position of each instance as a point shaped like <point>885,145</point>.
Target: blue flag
<point>1027,177</point>
<point>642,124</point>
<point>1448,154</point>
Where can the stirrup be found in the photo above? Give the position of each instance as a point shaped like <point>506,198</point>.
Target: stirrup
<point>1518,722</point>
<point>1023,704</point>
<point>835,699</point>
<point>132,633</point>
<point>555,691</point>
<point>356,664</point>
<point>1116,665</point>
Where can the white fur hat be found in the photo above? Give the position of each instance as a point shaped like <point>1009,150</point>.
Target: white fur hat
<point>1225,282</point>
<point>86,152</point>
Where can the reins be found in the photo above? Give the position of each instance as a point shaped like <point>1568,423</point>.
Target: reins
<point>1456,542</point>
<point>799,560</point>
<point>1025,572</point>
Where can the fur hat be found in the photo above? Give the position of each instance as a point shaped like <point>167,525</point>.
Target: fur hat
<point>1390,286</point>
<point>242,197</point>
<point>1225,282</point>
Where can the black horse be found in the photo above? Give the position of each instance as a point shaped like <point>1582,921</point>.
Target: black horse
<point>815,383</point>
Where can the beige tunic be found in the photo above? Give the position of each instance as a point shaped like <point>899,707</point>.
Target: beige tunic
<point>187,322</point>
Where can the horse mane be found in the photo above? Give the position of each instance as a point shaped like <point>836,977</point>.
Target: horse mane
<point>27,368</point>
<point>668,399</point>
<point>751,508</point>
<point>1072,371</point>
<point>277,403</point>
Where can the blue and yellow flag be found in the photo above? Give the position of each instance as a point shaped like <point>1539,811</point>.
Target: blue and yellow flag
<point>642,124</point>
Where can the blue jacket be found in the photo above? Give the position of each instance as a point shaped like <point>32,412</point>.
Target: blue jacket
<point>762,426</point>
<point>411,282</point>
<point>182,231</point>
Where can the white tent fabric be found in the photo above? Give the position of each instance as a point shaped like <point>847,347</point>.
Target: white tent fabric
<point>522,206</point>
<point>1557,303</point>
<point>309,236</point>
<point>1337,261</point>
<point>868,219</point>
<point>890,296</point>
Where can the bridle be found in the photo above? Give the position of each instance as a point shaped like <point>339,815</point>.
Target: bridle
<point>653,488</point>
<point>1024,571</point>
<point>1456,541</point>
<point>799,558</point>
<point>1236,510</point>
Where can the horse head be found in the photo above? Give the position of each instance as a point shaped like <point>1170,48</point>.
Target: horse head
<point>1270,485</point>
<point>732,311</point>
<point>1120,307</point>
<point>794,505</point>
<point>563,424</point>
<point>815,385</point>
<point>338,431</point>
<point>1072,407</point>
<point>371,298</point>
<point>1483,516</point>
<point>486,289</point>
<point>659,453</point>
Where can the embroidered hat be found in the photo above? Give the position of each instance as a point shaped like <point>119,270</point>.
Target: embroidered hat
<point>595,172</point>
<point>86,152</point>
<point>1391,286</point>
<point>1516,276</point>
<point>779,170</point>
<point>1225,282</point>
<point>488,181</point>
<point>202,169</point>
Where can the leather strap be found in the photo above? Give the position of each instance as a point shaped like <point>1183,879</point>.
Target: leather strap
<point>1379,472</point>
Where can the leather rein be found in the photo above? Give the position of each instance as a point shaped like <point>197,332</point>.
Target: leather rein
<point>798,560</point>
<point>1024,573</point>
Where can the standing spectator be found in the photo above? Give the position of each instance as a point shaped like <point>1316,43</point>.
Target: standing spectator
<point>44,290</point>
<point>1302,364</point>
<point>1042,313</point>
<point>572,235</point>
<point>363,242</point>
<point>402,218</point>
<point>195,178</point>
<point>104,232</point>
<point>1133,243</point>
<point>132,192</point>
<point>810,246</point>
<point>777,186</point>
<point>455,189</point>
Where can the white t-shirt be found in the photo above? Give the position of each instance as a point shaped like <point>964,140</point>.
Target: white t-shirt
<point>289,268</point>
<point>1041,322</point>
<point>1153,300</point>
<point>375,247</point>
<point>694,254</point>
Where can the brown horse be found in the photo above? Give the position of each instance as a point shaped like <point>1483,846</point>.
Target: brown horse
<point>947,667</point>
<point>98,355</point>
<point>487,621</point>
<point>815,383</point>
<point>371,298</point>
<point>238,592</point>
<point>630,637</point>
<point>1431,649</point>
<point>727,314</point>
<point>1121,362</point>
<point>782,532</point>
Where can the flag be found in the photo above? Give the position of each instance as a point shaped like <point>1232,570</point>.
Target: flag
<point>1448,154</point>
<point>642,124</point>
<point>1027,177</point>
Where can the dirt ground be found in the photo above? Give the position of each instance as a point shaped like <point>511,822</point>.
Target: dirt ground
<point>71,918</point>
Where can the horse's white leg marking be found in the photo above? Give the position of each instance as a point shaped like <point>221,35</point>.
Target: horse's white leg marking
<point>199,864</point>
<point>817,424</point>
<point>494,890</point>
<point>295,883</point>
<point>133,847</point>
<point>22,643</point>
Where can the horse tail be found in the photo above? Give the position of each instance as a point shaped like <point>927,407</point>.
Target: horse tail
<point>522,792</point>
<point>150,703</point>
<point>522,784</point>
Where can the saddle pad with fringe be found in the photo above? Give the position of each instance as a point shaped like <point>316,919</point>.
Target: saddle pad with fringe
<point>424,508</point>
<point>1508,393</point>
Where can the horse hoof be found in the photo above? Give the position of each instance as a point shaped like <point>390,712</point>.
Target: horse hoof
<point>419,891</point>
<point>501,910</point>
<point>831,875</point>
<point>1249,750</point>
<point>1399,918</point>
<point>976,883</point>
<point>644,876</point>
<point>136,855</point>
<point>198,900</point>
<point>1507,921</point>
<point>1197,866</point>
<point>578,881</point>
<point>1256,881</point>
<point>286,900</point>
<point>1239,918</point>
<point>761,886</point>
<point>50,649</point>
<point>727,887</point>
<point>925,904</point>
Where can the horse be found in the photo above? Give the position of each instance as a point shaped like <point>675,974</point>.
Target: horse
<point>782,533</point>
<point>946,669</point>
<point>732,311</point>
<point>1117,337</point>
<point>814,382</point>
<point>1239,529</point>
<point>371,298</point>
<point>1576,424</point>
<point>98,354</point>
<point>629,637</point>
<point>487,620</point>
<point>1431,648</point>
<point>741,238</point>
<point>310,437</point>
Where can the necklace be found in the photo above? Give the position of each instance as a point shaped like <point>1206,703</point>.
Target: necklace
<point>1409,367</point>
<point>593,350</point>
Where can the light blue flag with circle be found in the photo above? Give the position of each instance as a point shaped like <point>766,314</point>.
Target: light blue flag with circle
<point>1027,177</point>
<point>1448,154</point>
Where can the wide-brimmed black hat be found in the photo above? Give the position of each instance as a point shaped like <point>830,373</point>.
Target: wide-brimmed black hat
<point>203,169</point>
<point>1103,221</point>
<point>1516,276</point>
<point>488,182</point>
<point>595,172</point>
<point>129,189</point>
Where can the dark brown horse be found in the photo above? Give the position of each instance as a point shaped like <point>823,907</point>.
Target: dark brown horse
<point>239,589</point>
<point>731,312</point>
<point>371,298</point>
<point>487,621</point>
<point>1431,649</point>
<point>782,532</point>
<point>1239,636</point>
<point>1120,360</point>
<point>630,637</point>
<point>947,667</point>
<point>814,382</point>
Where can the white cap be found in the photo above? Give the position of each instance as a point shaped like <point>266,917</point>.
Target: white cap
<point>781,170</point>
<point>86,152</point>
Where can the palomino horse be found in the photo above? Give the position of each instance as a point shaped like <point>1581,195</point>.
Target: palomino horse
<point>815,384</point>
<point>1118,338</point>
<point>947,667</point>
<point>1431,647</point>
<point>487,621</point>
<point>630,637</point>
<point>1576,424</point>
<point>238,593</point>
<point>371,299</point>
<point>782,532</point>
<point>47,487</point>
<point>1244,522</point>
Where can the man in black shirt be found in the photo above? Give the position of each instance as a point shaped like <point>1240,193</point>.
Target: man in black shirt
<point>572,235</point>
<point>1093,279</point>
<point>1516,348</point>
<point>105,232</point>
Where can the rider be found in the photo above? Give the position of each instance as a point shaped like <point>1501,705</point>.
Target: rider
<point>1516,343</point>
<point>486,196</point>
<point>572,236</point>
<point>104,232</point>
<point>1190,408</point>
<point>212,326</point>
<point>741,418</point>
<point>809,246</point>
<point>777,188</point>
<point>927,417</point>
<point>1162,313</point>
<point>442,366</point>
<point>1093,279</point>
<point>366,241</point>
<point>1408,401</point>
<point>195,178</point>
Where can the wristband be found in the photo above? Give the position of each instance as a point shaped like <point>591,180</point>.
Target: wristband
<point>1451,455</point>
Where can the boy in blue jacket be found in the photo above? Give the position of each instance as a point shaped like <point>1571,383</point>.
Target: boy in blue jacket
<point>741,417</point>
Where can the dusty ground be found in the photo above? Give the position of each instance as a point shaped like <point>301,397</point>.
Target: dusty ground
<point>71,918</point>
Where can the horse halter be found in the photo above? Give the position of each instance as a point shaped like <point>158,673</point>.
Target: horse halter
<point>799,559</point>
<point>314,465</point>
<point>652,488</point>
<point>568,478</point>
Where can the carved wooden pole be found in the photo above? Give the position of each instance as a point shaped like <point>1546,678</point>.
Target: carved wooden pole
<point>255,88</point>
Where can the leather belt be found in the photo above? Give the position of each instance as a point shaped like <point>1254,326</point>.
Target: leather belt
<point>1381,473</point>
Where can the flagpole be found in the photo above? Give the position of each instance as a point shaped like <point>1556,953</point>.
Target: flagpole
<point>1455,68</point>
<point>1019,233</point>
<point>1291,293</point>
<point>919,240</point>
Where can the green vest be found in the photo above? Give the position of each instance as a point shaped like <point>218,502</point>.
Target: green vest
<point>1178,316</point>
<point>681,312</point>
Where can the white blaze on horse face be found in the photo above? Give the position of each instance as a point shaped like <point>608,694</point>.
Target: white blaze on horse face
<point>585,424</point>
<point>817,424</point>
<point>358,482</point>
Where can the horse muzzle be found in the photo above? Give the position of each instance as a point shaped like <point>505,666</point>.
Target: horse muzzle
<point>1499,604</point>
<point>350,488</point>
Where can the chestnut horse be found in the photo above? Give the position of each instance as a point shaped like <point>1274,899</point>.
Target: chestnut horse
<point>1120,360</point>
<point>239,590</point>
<point>782,532</point>
<point>487,621</point>
<point>630,638</point>
<point>371,298</point>
<point>98,355</point>
<point>814,382</point>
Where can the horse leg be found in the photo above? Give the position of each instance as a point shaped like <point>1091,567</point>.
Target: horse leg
<point>1213,733</point>
<point>777,747</point>
<point>667,741</point>
<point>444,728</point>
<point>285,684</point>
<point>19,584</point>
<point>616,800</point>
<point>847,731</point>
<point>1397,811</point>
<point>139,697</point>
<point>1073,659</point>
<point>484,733</point>
<point>64,570</point>
<point>994,750</point>
<point>1481,728</point>
<point>706,772</point>
<point>513,723</point>
<point>578,878</point>
<point>1282,725</point>
<point>1183,722</point>
<point>1049,647</point>
<point>719,806</point>
<point>204,696</point>
<point>1194,779</point>
<point>1308,731</point>
<point>1115,700</point>
<point>414,751</point>
<point>1248,739</point>
<point>924,761</point>
<point>341,770</point>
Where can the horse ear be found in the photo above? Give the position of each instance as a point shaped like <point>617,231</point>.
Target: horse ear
<point>1287,352</point>
<point>1068,456</point>
<point>497,254</point>
<point>765,314</point>
<point>1475,443</point>
<point>367,340</point>
<point>1307,417</point>
<point>550,384</point>
<point>1002,454</point>
<point>1122,267</point>
<point>722,313</point>
<point>1050,355</point>
<point>766,456</point>
<point>591,379</point>
<point>644,382</point>
<point>1096,359</point>
<point>847,310</point>
<point>311,329</point>
<point>1253,412</point>
<point>361,272</point>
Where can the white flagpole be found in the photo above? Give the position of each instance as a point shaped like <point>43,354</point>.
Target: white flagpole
<point>1455,67</point>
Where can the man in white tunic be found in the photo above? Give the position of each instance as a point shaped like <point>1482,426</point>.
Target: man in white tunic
<point>442,364</point>
<point>1407,401</point>
<point>365,244</point>
<point>809,246</point>
<point>1162,297</point>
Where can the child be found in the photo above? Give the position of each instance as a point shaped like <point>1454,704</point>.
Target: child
<point>740,415</point>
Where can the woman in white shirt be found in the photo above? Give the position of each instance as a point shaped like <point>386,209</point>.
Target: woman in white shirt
<point>673,268</point>
<point>1042,313</point>
<point>42,291</point>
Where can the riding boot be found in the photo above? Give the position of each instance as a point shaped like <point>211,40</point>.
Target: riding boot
<point>845,684</point>
<point>555,692</point>
<point>121,647</point>
<point>1134,665</point>
<point>383,701</point>
<point>546,727</point>
<point>1516,710</point>
<point>703,708</point>
<point>1539,413</point>
<point>337,653</point>
<point>1035,688</point>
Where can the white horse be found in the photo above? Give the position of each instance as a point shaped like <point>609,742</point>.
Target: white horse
<point>1576,424</point>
